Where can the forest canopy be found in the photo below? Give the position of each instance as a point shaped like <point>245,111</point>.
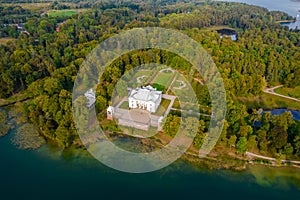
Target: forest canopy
<point>42,63</point>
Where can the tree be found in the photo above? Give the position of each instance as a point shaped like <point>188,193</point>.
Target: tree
<point>232,141</point>
<point>262,140</point>
<point>245,131</point>
<point>101,103</point>
<point>241,145</point>
<point>278,137</point>
<point>252,143</point>
<point>171,125</point>
<point>52,86</point>
<point>191,126</point>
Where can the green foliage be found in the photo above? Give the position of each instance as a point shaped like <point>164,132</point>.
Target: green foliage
<point>242,145</point>
<point>171,125</point>
<point>44,65</point>
<point>158,87</point>
<point>232,141</point>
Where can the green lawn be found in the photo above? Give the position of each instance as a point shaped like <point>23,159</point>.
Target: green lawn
<point>164,78</point>
<point>62,13</point>
<point>177,84</point>
<point>131,78</point>
<point>124,105</point>
<point>162,107</point>
<point>292,92</point>
<point>269,101</point>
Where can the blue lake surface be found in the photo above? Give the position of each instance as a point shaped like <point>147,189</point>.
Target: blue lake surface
<point>289,6</point>
<point>295,113</point>
<point>50,173</point>
<point>53,173</point>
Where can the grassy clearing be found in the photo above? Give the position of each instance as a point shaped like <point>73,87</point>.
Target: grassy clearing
<point>215,28</point>
<point>162,107</point>
<point>178,82</point>
<point>269,101</point>
<point>291,92</point>
<point>164,78</point>
<point>4,41</point>
<point>62,13</point>
<point>185,94</point>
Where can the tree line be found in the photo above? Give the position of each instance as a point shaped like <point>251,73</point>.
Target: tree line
<point>44,65</point>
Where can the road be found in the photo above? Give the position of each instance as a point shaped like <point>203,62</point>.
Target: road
<point>271,91</point>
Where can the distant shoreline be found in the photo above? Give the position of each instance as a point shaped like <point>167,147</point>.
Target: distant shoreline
<point>286,21</point>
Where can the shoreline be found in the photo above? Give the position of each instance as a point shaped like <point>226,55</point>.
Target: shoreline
<point>216,159</point>
<point>286,21</point>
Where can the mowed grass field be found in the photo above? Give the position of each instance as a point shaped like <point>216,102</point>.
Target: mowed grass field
<point>164,78</point>
<point>62,13</point>
<point>124,105</point>
<point>65,13</point>
<point>291,92</point>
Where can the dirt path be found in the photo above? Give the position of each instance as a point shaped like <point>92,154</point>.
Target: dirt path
<point>271,91</point>
<point>271,159</point>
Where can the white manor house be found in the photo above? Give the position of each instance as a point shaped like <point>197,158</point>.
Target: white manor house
<point>146,98</point>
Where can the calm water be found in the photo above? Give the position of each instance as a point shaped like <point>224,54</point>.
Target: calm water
<point>289,6</point>
<point>50,173</point>
<point>295,113</point>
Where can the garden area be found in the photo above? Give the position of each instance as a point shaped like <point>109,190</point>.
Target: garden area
<point>164,104</point>
<point>164,78</point>
<point>138,78</point>
<point>124,105</point>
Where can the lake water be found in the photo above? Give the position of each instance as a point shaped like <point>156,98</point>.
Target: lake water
<point>295,113</point>
<point>50,173</point>
<point>291,7</point>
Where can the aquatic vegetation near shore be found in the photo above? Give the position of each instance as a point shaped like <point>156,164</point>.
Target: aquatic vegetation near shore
<point>28,137</point>
<point>4,126</point>
<point>270,176</point>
